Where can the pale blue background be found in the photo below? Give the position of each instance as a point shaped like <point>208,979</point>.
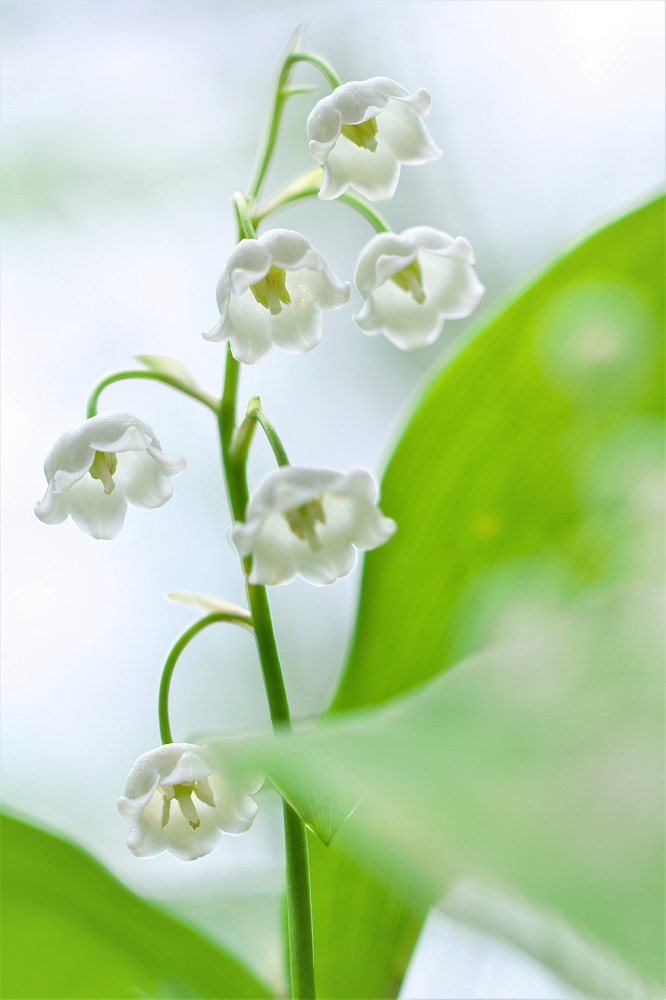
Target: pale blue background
<point>126,126</point>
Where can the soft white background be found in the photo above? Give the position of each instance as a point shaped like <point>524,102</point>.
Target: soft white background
<point>126,126</point>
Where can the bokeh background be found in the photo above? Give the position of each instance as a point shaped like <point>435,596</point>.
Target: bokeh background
<point>127,124</point>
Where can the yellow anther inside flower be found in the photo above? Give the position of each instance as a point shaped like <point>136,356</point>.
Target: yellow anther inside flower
<point>271,292</point>
<point>364,134</point>
<point>411,281</point>
<point>303,522</point>
<point>103,467</point>
<point>183,795</point>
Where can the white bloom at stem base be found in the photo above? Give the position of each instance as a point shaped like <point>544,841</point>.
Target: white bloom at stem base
<point>310,522</point>
<point>412,282</point>
<point>272,293</point>
<point>364,131</point>
<point>93,472</point>
<point>175,801</point>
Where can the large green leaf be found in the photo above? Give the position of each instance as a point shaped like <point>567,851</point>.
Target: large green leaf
<point>71,930</point>
<point>490,469</point>
<point>535,768</point>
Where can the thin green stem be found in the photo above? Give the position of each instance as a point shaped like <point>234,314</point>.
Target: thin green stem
<point>245,433</point>
<point>245,226</point>
<point>201,397</point>
<point>322,65</point>
<point>299,904</point>
<point>174,656</point>
<point>367,211</point>
<point>307,185</point>
<point>281,93</point>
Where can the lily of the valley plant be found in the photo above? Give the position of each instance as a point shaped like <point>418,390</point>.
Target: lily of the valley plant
<point>273,292</point>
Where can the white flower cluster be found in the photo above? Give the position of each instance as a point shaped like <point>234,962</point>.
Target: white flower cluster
<point>273,289</point>
<point>303,522</point>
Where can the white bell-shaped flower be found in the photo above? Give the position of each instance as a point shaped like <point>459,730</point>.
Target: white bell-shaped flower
<point>412,282</point>
<point>93,472</point>
<point>362,132</point>
<point>175,801</point>
<point>272,293</point>
<point>310,522</point>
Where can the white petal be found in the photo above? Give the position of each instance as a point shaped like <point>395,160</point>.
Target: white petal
<point>154,767</point>
<point>451,285</point>
<point>299,326</point>
<point>452,288</point>
<point>171,465</point>
<point>351,519</point>
<point>219,331</point>
<point>248,329</point>
<point>406,323</point>
<point>291,250</point>
<point>140,478</point>
<point>132,438</point>
<point>234,810</point>
<point>52,508</point>
<point>328,291</point>
<point>97,513</point>
<point>382,256</point>
<point>374,175</point>
<point>272,548</point>
<point>328,565</point>
<point>248,263</point>
<point>402,129</point>
<point>439,243</point>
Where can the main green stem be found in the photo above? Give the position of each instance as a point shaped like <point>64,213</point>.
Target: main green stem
<point>299,903</point>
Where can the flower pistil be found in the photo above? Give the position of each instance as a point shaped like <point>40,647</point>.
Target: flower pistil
<point>271,292</point>
<point>103,467</point>
<point>303,522</point>
<point>411,280</point>
<point>183,795</point>
<point>363,135</point>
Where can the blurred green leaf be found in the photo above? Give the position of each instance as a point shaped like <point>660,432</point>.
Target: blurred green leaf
<point>71,930</point>
<point>535,767</point>
<point>489,470</point>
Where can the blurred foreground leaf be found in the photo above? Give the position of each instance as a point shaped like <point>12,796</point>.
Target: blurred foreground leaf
<point>493,469</point>
<point>71,930</point>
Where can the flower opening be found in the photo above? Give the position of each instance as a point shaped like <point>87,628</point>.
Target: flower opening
<point>280,268</point>
<point>310,523</point>
<point>271,292</point>
<point>412,282</point>
<point>363,133</point>
<point>125,465</point>
<point>176,801</point>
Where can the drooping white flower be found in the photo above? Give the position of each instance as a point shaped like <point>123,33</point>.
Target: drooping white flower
<point>272,293</point>
<point>412,282</point>
<point>93,472</point>
<point>310,522</point>
<point>175,801</point>
<point>362,132</point>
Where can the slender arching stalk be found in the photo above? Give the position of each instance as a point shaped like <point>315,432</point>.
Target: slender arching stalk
<point>202,397</point>
<point>172,659</point>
